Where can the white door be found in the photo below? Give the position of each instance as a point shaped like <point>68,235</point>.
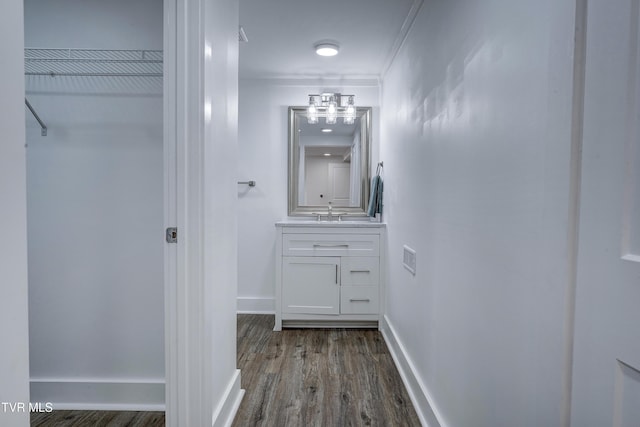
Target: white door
<point>311,285</point>
<point>339,184</point>
<point>606,361</point>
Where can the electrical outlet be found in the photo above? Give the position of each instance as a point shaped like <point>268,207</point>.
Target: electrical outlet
<point>409,259</point>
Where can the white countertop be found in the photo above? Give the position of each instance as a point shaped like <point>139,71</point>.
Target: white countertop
<point>316,223</point>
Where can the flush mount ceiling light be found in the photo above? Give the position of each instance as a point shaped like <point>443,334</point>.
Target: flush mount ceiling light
<point>326,130</point>
<point>330,106</point>
<point>327,49</point>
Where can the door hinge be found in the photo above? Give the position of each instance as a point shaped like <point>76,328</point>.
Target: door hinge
<point>172,235</point>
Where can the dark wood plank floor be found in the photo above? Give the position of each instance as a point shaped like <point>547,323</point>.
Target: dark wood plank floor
<point>318,377</point>
<point>297,377</point>
<point>97,418</point>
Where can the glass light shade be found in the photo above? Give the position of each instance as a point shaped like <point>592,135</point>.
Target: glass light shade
<point>327,49</point>
<point>350,112</point>
<point>332,111</point>
<point>312,111</point>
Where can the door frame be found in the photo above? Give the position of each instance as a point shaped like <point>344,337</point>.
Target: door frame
<point>200,42</point>
<point>170,182</point>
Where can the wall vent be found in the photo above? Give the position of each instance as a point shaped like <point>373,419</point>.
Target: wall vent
<point>409,259</point>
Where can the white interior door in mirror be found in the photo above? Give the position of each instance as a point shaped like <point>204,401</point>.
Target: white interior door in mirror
<point>339,185</point>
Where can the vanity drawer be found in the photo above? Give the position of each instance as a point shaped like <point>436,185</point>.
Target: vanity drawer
<point>330,244</point>
<point>360,271</point>
<point>359,300</point>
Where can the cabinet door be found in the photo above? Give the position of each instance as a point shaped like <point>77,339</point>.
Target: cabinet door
<point>311,285</point>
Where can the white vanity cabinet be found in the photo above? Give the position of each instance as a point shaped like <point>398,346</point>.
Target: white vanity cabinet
<point>328,274</point>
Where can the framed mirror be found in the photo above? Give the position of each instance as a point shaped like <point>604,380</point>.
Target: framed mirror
<point>329,163</point>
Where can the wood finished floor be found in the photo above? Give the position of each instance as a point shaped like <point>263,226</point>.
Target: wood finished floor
<point>318,377</point>
<point>97,418</point>
<point>297,377</point>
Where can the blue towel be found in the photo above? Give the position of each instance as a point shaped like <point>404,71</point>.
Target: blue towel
<point>375,199</point>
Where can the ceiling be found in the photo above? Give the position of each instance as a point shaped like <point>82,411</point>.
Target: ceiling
<point>282,34</point>
<point>340,152</point>
<point>337,129</point>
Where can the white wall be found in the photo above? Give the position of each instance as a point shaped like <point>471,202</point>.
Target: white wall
<point>95,215</point>
<point>475,137</point>
<point>263,151</point>
<point>14,339</point>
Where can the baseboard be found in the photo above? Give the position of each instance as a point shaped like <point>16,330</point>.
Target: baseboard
<point>420,397</point>
<point>98,394</point>
<point>256,305</point>
<point>226,411</point>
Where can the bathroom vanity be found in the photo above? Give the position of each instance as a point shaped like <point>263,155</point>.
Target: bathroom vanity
<point>329,274</point>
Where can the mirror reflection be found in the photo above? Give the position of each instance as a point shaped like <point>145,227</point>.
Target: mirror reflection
<point>329,164</point>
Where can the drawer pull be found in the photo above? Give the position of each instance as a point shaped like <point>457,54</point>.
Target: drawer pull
<point>359,300</point>
<point>319,245</point>
<point>360,271</point>
<point>336,274</point>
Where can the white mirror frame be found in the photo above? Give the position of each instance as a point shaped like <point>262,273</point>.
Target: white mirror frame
<point>295,209</point>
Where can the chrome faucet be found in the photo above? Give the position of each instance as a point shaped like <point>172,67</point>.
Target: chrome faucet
<point>330,213</point>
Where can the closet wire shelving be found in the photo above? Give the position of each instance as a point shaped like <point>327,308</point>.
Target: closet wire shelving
<point>137,71</point>
<point>93,62</point>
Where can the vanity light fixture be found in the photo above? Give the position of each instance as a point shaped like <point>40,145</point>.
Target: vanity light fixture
<point>327,49</point>
<point>331,106</point>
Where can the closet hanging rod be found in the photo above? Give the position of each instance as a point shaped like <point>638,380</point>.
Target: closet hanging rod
<point>43,127</point>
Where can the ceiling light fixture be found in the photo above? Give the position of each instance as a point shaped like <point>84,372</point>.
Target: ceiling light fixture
<point>326,130</point>
<point>327,49</point>
<point>327,154</point>
<point>331,106</point>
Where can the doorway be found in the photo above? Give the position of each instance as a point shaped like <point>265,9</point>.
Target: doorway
<point>96,203</point>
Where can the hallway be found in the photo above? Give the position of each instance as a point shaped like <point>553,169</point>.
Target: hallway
<point>318,377</point>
